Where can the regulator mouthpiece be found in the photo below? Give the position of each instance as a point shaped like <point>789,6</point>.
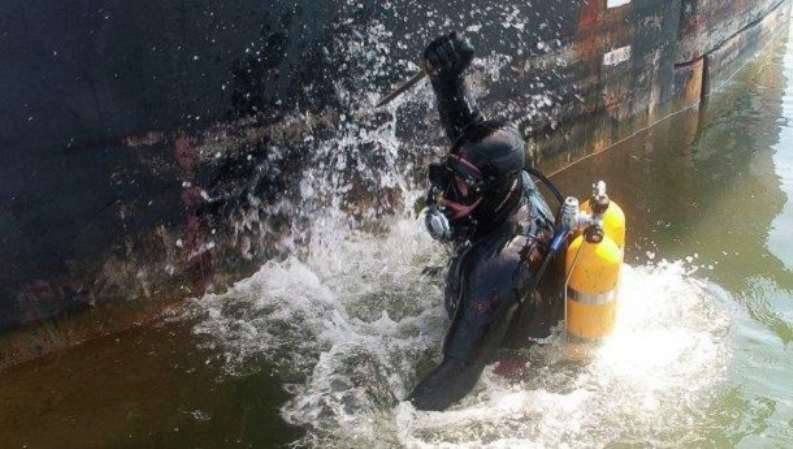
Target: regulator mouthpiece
<point>438,224</point>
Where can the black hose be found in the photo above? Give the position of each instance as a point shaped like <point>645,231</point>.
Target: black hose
<point>534,172</point>
<point>561,233</point>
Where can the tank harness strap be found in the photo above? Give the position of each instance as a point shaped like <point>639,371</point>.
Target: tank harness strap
<point>592,298</point>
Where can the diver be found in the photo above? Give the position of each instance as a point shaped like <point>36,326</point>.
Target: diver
<point>485,206</point>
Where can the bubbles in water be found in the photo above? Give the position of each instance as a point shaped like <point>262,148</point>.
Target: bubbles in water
<point>346,320</point>
<point>347,327</point>
<point>650,380</point>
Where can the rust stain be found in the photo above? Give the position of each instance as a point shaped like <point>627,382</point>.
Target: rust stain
<point>193,198</point>
<point>600,141</point>
<point>613,98</point>
<point>587,41</point>
<point>693,25</point>
<point>185,153</point>
<point>693,89</point>
<point>589,14</point>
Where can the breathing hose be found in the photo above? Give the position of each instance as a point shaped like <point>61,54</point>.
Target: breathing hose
<point>561,232</point>
<point>547,182</point>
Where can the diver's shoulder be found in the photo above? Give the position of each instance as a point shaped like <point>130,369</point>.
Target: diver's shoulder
<point>496,262</point>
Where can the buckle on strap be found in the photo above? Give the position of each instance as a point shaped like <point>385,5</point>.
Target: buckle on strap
<point>592,298</point>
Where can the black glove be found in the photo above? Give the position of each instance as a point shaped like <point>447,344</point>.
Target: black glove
<point>448,56</point>
<point>445,60</point>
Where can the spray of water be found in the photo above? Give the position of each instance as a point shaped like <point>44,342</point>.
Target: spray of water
<point>348,325</point>
<point>347,317</point>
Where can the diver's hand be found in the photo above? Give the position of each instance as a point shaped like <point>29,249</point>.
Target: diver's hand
<point>448,56</point>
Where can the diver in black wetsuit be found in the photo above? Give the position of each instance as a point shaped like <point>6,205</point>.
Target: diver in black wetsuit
<point>482,203</point>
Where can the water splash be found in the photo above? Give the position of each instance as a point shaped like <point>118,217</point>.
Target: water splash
<point>348,314</point>
<point>348,325</point>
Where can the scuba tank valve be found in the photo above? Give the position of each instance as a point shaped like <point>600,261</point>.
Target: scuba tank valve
<point>596,234</point>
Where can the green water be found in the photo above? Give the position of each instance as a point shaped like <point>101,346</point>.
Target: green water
<point>147,388</point>
<point>716,185</point>
<point>713,186</point>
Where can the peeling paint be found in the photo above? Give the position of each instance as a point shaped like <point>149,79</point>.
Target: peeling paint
<point>275,134</point>
<point>617,56</point>
<point>617,3</point>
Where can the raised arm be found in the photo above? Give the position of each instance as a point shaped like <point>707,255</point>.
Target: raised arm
<point>446,59</point>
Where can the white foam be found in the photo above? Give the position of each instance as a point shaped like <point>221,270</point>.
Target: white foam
<point>346,317</point>
<point>350,324</point>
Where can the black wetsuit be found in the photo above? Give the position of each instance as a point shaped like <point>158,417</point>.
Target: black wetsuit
<point>490,274</point>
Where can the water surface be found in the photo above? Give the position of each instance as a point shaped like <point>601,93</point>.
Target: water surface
<point>321,349</point>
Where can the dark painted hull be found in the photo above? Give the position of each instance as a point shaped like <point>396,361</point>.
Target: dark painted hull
<point>145,145</point>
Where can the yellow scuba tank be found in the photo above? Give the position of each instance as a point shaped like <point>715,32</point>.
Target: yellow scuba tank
<point>593,263</point>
